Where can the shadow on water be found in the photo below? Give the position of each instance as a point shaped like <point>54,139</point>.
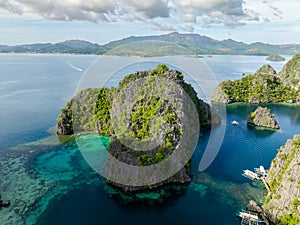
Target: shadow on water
<point>161,196</point>
<point>93,205</point>
<point>260,132</point>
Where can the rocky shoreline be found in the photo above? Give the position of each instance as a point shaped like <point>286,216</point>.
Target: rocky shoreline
<point>282,204</point>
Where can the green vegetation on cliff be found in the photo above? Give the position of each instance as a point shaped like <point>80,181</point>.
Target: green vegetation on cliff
<point>259,88</point>
<point>282,205</point>
<point>265,86</point>
<point>102,111</point>
<point>84,110</point>
<point>146,106</point>
<point>291,72</point>
<point>90,108</point>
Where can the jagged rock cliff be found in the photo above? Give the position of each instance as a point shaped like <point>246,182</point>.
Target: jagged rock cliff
<point>79,112</point>
<point>91,110</point>
<point>265,86</point>
<point>64,125</point>
<point>262,117</point>
<point>266,69</point>
<point>291,72</point>
<point>282,205</point>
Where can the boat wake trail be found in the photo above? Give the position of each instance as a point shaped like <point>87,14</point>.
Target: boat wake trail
<point>74,67</point>
<point>240,135</point>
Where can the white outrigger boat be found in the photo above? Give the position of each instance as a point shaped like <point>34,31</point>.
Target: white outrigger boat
<point>234,122</point>
<point>251,175</point>
<point>249,218</point>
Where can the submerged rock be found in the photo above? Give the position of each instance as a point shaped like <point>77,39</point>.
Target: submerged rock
<point>262,117</point>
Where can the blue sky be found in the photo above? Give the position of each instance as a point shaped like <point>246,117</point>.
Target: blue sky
<point>100,21</point>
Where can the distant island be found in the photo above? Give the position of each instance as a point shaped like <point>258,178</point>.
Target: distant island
<point>157,45</point>
<point>97,117</point>
<point>265,86</point>
<point>275,58</point>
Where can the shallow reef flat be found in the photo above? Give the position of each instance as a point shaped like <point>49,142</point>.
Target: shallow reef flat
<point>34,173</point>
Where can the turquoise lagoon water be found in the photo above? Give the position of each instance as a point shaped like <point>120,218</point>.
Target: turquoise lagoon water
<point>48,182</point>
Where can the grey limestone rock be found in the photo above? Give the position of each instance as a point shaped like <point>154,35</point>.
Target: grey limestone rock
<point>262,117</point>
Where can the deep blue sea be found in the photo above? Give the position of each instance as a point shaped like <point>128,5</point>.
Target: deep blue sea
<point>49,182</point>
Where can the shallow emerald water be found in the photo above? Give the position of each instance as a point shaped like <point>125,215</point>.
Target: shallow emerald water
<point>49,182</point>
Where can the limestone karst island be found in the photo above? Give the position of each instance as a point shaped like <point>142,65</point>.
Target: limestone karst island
<point>264,86</point>
<point>262,117</point>
<point>91,110</point>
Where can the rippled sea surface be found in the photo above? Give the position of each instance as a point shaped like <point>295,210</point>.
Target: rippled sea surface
<point>49,182</point>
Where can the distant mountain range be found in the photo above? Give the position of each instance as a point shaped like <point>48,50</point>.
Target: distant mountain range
<point>157,45</point>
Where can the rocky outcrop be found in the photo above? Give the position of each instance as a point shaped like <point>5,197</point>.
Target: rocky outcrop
<point>275,58</point>
<point>290,73</point>
<point>89,109</point>
<point>149,116</point>
<point>82,112</point>
<point>265,86</point>
<point>220,95</point>
<point>262,117</point>
<point>64,125</point>
<point>267,70</point>
<point>282,205</point>
<point>253,207</point>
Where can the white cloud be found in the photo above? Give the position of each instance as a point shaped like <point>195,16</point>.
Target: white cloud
<point>275,10</point>
<point>160,26</point>
<point>187,27</point>
<point>91,10</point>
<point>229,13</point>
<point>149,8</point>
<point>160,14</point>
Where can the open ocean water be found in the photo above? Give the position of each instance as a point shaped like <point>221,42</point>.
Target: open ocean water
<point>48,182</point>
